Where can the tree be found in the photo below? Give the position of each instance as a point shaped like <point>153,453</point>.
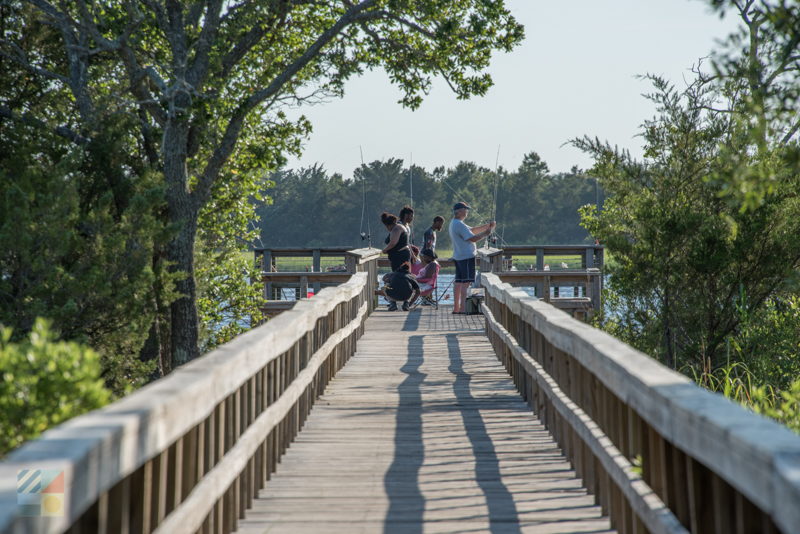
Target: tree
<point>690,262</point>
<point>532,205</point>
<point>207,82</point>
<point>759,69</point>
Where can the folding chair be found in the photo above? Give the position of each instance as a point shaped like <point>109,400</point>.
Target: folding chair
<point>429,298</point>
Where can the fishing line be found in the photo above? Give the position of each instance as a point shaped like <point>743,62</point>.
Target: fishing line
<point>411,196</point>
<point>467,197</point>
<point>493,235</point>
<point>368,235</point>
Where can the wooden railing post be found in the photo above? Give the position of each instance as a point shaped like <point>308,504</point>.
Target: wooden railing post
<point>317,267</point>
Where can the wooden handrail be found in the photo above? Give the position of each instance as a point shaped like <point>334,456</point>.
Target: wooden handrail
<point>294,252</point>
<point>364,255</point>
<point>334,277</point>
<point>191,450</point>
<point>707,464</point>
<point>591,255</point>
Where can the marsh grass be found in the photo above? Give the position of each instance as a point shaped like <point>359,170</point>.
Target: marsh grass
<point>738,383</point>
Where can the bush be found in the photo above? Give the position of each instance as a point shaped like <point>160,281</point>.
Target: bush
<point>44,382</point>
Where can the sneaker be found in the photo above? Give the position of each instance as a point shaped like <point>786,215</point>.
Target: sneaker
<point>393,306</point>
<point>405,306</point>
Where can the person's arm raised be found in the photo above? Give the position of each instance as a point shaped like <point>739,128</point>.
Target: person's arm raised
<point>487,229</point>
<point>482,228</point>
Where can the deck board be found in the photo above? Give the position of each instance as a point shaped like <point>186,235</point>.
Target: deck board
<point>423,432</point>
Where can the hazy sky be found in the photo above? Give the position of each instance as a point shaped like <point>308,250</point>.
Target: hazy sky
<point>574,74</point>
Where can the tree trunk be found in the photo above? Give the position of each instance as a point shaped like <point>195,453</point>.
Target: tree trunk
<point>182,212</point>
<point>185,325</point>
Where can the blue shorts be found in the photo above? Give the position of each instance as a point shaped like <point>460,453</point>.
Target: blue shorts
<point>465,270</point>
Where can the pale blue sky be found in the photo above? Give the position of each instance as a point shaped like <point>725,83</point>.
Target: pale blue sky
<point>574,74</point>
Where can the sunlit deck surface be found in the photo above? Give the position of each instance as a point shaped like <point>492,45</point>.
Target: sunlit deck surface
<point>421,432</point>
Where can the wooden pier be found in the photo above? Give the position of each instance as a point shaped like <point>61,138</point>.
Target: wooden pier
<point>337,417</point>
<point>423,432</point>
<point>583,276</point>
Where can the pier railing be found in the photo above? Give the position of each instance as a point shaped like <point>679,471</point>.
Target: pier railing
<point>189,452</point>
<point>302,283</point>
<point>584,277</point>
<point>660,454</point>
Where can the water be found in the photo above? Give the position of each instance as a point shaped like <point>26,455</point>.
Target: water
<point>444,290</point>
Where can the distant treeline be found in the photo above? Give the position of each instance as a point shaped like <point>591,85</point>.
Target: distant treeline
<point>311,207</point>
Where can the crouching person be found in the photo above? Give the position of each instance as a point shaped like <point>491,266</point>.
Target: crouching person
<point>400,286</point>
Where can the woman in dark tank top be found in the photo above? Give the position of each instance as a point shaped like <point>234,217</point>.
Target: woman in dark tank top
<point>396,242</point>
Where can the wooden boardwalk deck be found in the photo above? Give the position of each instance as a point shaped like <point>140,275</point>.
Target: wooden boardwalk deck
<point>423,432</point>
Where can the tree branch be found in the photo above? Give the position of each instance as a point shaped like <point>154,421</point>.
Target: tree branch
<point>29,120</point>
<point>780,69</point>
<point>199,68</point>
<point>20,59</point>
<point>791,132</point>
<point>232,131</point>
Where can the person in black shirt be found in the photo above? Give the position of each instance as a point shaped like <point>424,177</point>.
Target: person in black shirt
<point>400,286</point>
<point>396,242</point>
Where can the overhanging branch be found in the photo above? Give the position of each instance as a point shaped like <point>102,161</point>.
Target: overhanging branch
<point>29,120</point>
<point>233,130</point>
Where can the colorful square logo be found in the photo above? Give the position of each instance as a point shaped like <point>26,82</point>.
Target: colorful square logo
<point>40,492</point>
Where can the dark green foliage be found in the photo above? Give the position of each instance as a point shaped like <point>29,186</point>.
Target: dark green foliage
<point>312,208</point>
<point>227,301</point>
<point>207,85</point>
<point>44,382</point>
<point>685,256</point>
<point>768,341</point>
<point>77,232</point>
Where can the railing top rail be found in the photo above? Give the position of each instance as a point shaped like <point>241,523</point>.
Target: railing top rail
<point>756,455</point>
<point>303,251</point>
<point>364,255</point>
<point>554,248</point>
<point>547,250</point>
<point>311,276</point>
<point>98,449</point>
<point>576,274</point>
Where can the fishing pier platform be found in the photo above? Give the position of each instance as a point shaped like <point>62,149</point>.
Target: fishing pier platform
<point>339,417</point>
<point>574,285</point>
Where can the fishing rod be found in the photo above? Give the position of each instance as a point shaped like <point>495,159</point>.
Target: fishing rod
<point>411,196</point>
<point>459,194</point>
<point>368,235</point>
<point>492,237</point>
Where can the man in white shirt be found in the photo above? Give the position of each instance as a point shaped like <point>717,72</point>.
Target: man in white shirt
<point>464,251</point>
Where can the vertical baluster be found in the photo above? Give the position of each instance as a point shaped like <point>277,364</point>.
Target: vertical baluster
<point>174,475</point>
<point>142,497</point>
<point>724,504</point>
<point>119,502</point>
<point>700,505</point>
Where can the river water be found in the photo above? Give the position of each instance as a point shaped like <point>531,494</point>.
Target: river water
<point>444,290</point>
